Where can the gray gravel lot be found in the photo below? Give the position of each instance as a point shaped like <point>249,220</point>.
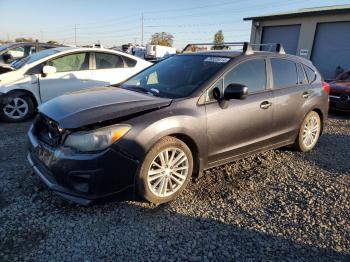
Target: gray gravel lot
<point>278,205</point>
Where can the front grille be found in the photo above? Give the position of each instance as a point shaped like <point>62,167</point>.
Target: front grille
<point>46,130</point>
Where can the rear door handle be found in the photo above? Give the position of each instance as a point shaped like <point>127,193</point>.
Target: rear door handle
<point>307,94</point>
<point>265,105</point>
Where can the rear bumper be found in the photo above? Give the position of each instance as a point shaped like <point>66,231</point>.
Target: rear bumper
<point>81,178</point>
<point>337,104</point>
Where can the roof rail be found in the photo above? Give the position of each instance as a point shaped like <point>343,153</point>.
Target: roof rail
<point>247,49</point>
<point>278,47</point>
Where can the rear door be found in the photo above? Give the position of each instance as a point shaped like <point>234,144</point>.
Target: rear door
<point>72,74</point>
<point>291,93</point>
<point>111,68</point>
<point>242,125</point>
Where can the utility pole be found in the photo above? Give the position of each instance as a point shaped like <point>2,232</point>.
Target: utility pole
<point>75,34</point>
<point>141,29</point>
<point>41,36</point>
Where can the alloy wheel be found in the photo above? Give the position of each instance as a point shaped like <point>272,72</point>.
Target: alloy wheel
<point>168,172</point>
<point>311,132</point>
<point>17,108</point>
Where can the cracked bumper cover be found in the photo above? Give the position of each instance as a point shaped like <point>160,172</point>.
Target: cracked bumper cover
<point>81,178</point>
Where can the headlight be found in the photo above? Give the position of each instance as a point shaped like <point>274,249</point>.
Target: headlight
<point>97,139</point>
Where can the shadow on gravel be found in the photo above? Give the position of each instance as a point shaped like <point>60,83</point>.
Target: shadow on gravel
<point>332,153</point>
<point>131,232</point>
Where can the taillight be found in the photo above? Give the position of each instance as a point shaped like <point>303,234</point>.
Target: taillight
<point>326,87</point>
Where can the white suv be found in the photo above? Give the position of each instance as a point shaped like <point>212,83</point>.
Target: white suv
<point>53,72</point>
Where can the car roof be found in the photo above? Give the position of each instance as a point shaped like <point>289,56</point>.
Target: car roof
<point>234,54</point>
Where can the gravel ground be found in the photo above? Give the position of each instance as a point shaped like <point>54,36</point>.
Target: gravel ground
<point>278,205</point>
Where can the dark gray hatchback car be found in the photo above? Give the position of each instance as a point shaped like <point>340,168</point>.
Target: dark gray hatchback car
<point>173,120</point>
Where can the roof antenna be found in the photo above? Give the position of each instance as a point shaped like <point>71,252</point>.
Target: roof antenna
<point>280,49</point>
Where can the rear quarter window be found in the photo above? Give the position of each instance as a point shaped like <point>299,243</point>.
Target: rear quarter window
<point>129,62</point>
<point>310,73</point>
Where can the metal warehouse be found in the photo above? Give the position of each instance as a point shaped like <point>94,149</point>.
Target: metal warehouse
<point>320,34</point>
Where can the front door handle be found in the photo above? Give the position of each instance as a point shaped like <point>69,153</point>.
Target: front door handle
<point>265,105</point>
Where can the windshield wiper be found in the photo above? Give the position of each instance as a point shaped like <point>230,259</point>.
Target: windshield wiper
<point>140,89</point>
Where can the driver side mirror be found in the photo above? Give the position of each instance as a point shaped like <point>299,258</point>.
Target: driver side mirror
<point>7,57</point>
<point>48,70</point>
<point>235,91</point>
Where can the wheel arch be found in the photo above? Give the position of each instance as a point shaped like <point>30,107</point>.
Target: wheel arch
<point>23,92</point>
<point>190,142</point>
<point>320,113</point>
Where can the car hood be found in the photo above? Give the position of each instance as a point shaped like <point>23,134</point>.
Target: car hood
<point>340,87</point>
<point>97,105</point>
<point>10,76</point>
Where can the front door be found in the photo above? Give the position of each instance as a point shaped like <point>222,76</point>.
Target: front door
<point>72,74</point>
<point>240,126</point>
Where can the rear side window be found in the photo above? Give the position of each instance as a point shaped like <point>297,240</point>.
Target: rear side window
<point>105,61</point>
<point>129,62</point>
<point>251,74</point>
<point>284,73</point>
<point>301,75</point>
<point>311,74</point>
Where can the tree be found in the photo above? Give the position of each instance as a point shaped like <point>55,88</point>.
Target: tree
<point>218,40</point>
<point>52,42</point>
<point>23,39</point>
<point>162,38</point>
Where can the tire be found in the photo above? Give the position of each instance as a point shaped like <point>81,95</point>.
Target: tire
<point>309,132</point>
<point>18,110</point>
<point>156,181</point>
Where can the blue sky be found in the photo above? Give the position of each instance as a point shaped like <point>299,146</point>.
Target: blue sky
<point>117,22</point>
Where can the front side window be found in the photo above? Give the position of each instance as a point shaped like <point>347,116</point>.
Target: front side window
<point>251,74</point>
<point>284,73</point>
<point>73,62</point>
<point>209,94</point>
<point>177,76</point>
<point>105,61</point>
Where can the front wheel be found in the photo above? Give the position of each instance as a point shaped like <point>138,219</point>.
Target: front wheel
<point>309,132</point>
<point>18,109</point>
<point>165,171</point>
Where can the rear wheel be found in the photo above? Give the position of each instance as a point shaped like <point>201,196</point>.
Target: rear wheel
<point>309,132</point>
<point>166,171</point>
<point>18,109</point>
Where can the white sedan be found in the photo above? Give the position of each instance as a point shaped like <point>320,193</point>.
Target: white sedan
<point>53,72</point>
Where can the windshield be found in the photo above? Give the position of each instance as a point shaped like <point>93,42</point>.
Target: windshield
<point>5,46</point>
<point>33,58</point>
<point>177,76</point>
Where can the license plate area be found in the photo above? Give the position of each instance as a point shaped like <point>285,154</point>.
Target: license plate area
<point>342,105</point>
<point>44,155</point>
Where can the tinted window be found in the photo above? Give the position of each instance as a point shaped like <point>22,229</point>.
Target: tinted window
<point>33,58</point>
<point>177,76</point>
<point>301,75</point>
<point>16,53</point>
<point>251,74</point>
<point>73,62</point>
<point>209,94</point>
<point>104,61</point>
<point>284,73</point>
<point>129,62</point>
<point>311,75</point>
